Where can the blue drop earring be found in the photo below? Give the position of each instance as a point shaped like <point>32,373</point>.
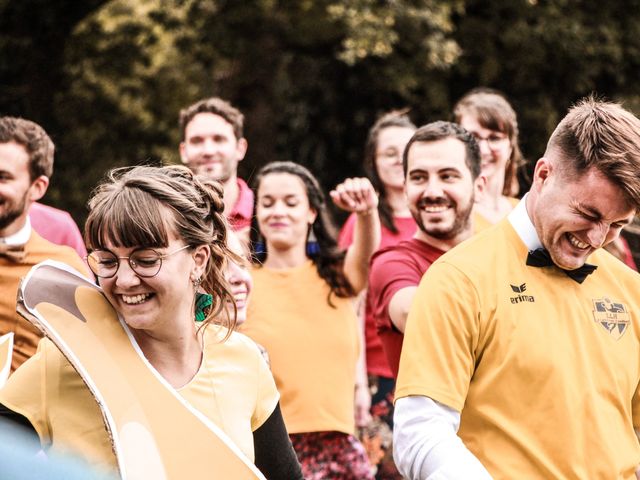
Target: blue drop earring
<point>313,247</point>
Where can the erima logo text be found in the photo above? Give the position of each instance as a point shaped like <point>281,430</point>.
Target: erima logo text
<point>520,289</point>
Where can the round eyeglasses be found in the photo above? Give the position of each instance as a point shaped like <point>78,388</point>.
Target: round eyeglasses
<point>494,141</point>
<point>145,262</point>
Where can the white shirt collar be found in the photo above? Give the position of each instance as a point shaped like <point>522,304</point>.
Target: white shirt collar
<point>20,237</point>
<point>522,224</point>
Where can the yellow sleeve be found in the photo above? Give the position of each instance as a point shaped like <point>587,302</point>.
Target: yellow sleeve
<point>267,393</point>
<point>440,343</point>
<point>25,392</point>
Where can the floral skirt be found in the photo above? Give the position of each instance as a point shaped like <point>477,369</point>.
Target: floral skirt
<point>377,437</point>
<point>331,456</point>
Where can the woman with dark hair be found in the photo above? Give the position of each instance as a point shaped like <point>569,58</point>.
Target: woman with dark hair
<point>158,242</point>
<point>383,151</point>
<point>383,165</point>
<point>302,311</point>
<point>489,117</point>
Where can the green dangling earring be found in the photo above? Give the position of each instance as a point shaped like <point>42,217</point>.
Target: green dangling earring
<point>203,301</point>
<point>203,305</point>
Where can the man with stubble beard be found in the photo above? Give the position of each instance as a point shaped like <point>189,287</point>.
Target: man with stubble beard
<point>26,164</point>
<point>213,144</point>
<point>441,166</point>
<point>442,181</point>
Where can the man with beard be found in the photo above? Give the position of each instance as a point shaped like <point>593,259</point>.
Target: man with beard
<point>520,359</point>
<point>442,179</point>
<point>212,144</point>
<point>441,164</point>
<point>26,163</point>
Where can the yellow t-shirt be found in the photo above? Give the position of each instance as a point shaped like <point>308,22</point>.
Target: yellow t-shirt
<point>233,388</point>
<point>544,370</point>
<point>312,347</point>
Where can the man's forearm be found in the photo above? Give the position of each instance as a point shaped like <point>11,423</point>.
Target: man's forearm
<point>426,444</point>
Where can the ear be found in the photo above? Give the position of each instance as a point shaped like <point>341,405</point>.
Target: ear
<point>38,188</point>
<point>183,153</point>
<point>542,173</point>
<point>311,216</point>
<point>479,185</point>
<point>241,148</point>
<point>200,257</point>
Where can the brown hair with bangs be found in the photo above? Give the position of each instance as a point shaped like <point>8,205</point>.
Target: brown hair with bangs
<point>601,135</point>
<point>129,209</point>
<point>493,112</point>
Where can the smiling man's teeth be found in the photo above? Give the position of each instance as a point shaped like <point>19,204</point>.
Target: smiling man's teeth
<point>133,299</point>
<point>577,243</point>
<point>435,208</point>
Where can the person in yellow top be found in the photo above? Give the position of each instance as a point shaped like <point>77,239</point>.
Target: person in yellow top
<point>519,357</point>
<point>488,116</point>
<point>302,311</point>
<point>157,238</point>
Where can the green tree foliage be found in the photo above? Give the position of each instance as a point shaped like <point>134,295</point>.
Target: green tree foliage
<point>108,78</point>
<point>309,75</point>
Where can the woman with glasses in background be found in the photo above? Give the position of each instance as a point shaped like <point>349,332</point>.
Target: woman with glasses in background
<point>383,151</point>
<point>157,238</point>
<point>489,117</point>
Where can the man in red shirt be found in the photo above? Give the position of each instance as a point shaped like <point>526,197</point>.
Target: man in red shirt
<point>442,178</point>
<point>212,144</point>
<point>441,166</point>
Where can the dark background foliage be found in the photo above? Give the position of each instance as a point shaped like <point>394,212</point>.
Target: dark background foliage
<point>107,78</point>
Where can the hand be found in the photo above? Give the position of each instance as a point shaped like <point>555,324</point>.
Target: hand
<point>355,195</point>
<point>363,405</point>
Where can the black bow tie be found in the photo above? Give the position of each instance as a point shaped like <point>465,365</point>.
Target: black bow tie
<point>540,258</point>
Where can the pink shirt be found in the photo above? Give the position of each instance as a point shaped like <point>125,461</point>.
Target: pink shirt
<point>376,359</point>
<point>240,216</point>
<point>57,226</point>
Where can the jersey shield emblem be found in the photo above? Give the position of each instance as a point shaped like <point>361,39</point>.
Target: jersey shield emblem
<point>613,316</point>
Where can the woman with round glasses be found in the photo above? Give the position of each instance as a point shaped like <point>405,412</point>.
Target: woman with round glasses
<point>488,116</point>
<point>157,238</point>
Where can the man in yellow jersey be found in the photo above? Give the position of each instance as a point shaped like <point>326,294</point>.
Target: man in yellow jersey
<point>520,357</point>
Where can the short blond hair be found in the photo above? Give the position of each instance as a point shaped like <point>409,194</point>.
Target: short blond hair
<point>602,135</point>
